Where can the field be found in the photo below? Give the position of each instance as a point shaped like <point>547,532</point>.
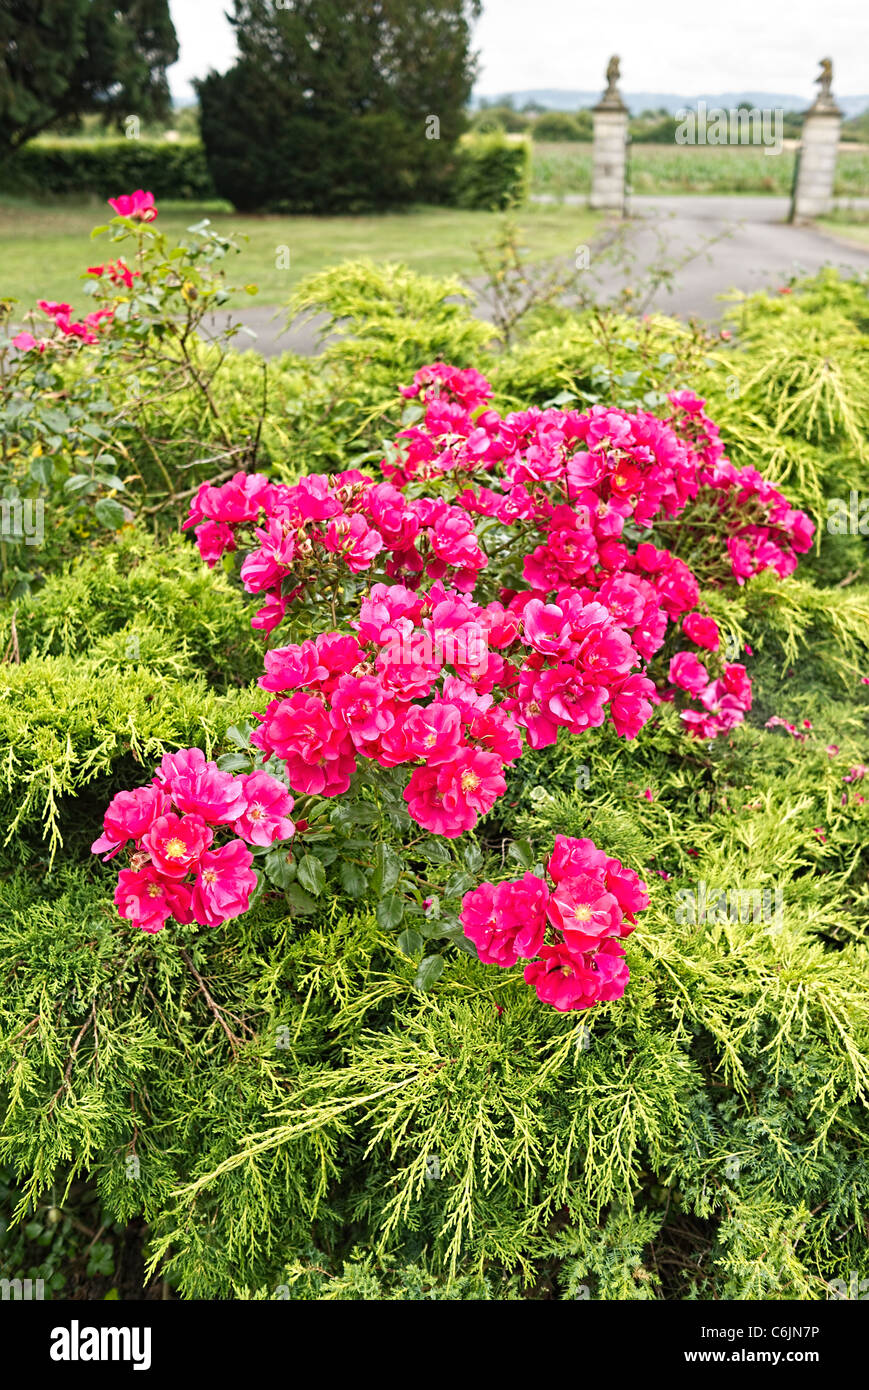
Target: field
<point>41,244</point>
<point>561,169</point>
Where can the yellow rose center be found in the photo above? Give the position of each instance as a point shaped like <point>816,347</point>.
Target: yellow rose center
<point>175,848</point>
<point>582,913</point>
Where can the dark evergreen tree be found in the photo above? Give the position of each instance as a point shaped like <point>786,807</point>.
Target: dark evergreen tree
<point>335,107</point>
<point>63,58</point>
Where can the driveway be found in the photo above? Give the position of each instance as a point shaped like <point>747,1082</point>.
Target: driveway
<point>741,243</point>
<point>710,244</point>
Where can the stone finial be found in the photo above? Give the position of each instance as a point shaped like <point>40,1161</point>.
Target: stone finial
<point>609,150</point>
<point>816,170</point>
<point>824,101</point>
<point>611,99</point>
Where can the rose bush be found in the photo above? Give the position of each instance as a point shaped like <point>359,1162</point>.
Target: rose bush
<point>264,1098</point>
<point>493,587</point>
<point>86,396</point>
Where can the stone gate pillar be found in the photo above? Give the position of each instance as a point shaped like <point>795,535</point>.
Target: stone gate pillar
<point>813,194</point>
<point>610,147</point>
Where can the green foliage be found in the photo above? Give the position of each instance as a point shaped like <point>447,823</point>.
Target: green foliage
<point>500,117</point>
<point>656,128</point>
<point>808,375</point>
<point>798,618</point>
<point>327,1098</point>
<point>586,358</point>
<point>141,599</point>
<point>563,125</point>
<point>54,437</point>
<point>108,167</point>
<point>233,409</point>
<point>791,394</point>
<point>383,323</point>
<point>67,721</point>
<point>366,1279</point>
<point>321,116</point>
<point>492,172</point>
<point>65,1248</point>
<point>66,57</point>
<point>388,315</point>
<point>92,410</point>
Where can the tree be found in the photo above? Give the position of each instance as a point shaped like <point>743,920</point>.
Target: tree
<point>62,58</point>
<point>500,117</point>
<point>324,112</point>
<point>558,125</point>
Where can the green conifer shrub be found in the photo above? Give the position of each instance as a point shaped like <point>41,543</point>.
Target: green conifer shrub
<point>140,601</point>
<point>67,722</point>
<point>280,1099</point>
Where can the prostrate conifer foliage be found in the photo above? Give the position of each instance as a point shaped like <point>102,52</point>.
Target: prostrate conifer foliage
<point>288,1102</point>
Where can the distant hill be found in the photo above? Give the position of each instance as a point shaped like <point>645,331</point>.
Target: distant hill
<point>558,99</point>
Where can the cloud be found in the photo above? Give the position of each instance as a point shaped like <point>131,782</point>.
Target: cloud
<point>665,46</point>
<point>669,46</point>
<point>206,40</point>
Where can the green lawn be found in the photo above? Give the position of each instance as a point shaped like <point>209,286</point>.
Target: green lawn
<point>847,230</point>
<point>45,247</point>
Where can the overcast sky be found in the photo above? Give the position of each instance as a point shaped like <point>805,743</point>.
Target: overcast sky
<point>664,45</point>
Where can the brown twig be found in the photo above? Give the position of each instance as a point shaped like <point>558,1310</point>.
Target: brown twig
<point>22,1032</point>
<point>91,1019</point>
<point>12,645</point>
<point>233,1040</point>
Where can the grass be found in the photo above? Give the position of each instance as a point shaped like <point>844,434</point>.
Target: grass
<point>847,225</point>
<point>44,248</point>
<point>559,169</point>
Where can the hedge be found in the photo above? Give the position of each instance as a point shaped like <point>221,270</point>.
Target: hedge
<point>108,167</point>
<point>492,172</point>
<point>489,171</point>
<point>142,603</point>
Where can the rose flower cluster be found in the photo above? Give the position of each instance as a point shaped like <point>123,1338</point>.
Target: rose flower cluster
<point>626,464</point>
<point>569,929</point>
<point>326,524</point>
<point>570,650</point>
<point>520,598</point>
<point>433,679</point>
<point>762,530</point>
<point>86,329</point>
<point>569,481</point>
<point>182,863</point>
<point>140,207</point>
